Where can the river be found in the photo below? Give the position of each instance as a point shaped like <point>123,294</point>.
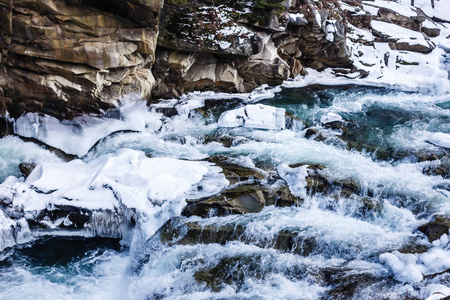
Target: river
<point>380,158</point>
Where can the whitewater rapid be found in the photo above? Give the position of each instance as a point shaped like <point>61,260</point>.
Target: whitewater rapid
<point>340,245</point>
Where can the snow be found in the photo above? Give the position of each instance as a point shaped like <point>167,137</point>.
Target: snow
<point>79,135</point>
<point>293,16</point>
<point>412,267</point>
<point>440,10</point>
<point>295,178</point>
<point>404,10</point>
<point>254,116</point>
<point>330,117</point>
<point>154,188</point>
<point>440,139</point>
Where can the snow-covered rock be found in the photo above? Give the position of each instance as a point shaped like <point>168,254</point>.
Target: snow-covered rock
<point>330,117</point>
<point>126,184</point>
<point>295,178</point>
<point>440,139</point>
<point>79,135</point>
<point>405,39</point>
<point>254,116</point>
<point>437,291</point>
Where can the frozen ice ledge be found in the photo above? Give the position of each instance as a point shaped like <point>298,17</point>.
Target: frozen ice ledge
<point>103,197</point>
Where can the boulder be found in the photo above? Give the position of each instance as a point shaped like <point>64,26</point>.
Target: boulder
<point>439,226</point>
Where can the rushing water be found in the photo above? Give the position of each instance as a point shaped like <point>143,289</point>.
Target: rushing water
<point>336,240</point>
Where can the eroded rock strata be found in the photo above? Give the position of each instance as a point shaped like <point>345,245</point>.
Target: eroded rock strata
<point>69,57</point>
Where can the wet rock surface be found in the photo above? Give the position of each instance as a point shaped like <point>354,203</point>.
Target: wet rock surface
<point>439,226</point>
<point>67,58</point>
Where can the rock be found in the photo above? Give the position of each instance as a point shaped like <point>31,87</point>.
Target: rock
<point>244,199</point>
<point>184,232</point>
<point>422,48</point>
<point>235,173</point>
<point>315,134</point>
<point>26,168</point>
<point>67,58</point>
<point>436,228</point>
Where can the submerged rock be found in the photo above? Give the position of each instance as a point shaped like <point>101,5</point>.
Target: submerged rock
<point>67,58</point>
<point>439,226</point>
<point>185,232</point>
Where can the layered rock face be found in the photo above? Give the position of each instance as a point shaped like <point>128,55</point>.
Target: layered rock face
<point>69,57</point>
<point>235,45</point>
<point>65,58</point>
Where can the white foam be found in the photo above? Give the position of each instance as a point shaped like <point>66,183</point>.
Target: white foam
<point>295,178</point>
<point>14,151</point>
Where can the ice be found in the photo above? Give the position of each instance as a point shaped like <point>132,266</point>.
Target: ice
<point>330,117</point>
<point>154,188</point>
<point>440,10</point>
<point>440,139</point>
<point>412,267</point>
<point>254,116</point>
<point>6,231</point>
<point>295,178</point>
<point>437,291</point>
<point>79,135</point>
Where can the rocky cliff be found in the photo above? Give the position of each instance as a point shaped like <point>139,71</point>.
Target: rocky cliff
<point>69,57</point>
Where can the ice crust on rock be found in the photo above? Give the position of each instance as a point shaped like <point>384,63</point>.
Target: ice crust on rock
<point>330,117</point>
<point>79,135</point>
<point>155,189</point>
<point>412,267</point>
<point>437,291</point>
<point>295,178</point>
<point>254,116</point>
